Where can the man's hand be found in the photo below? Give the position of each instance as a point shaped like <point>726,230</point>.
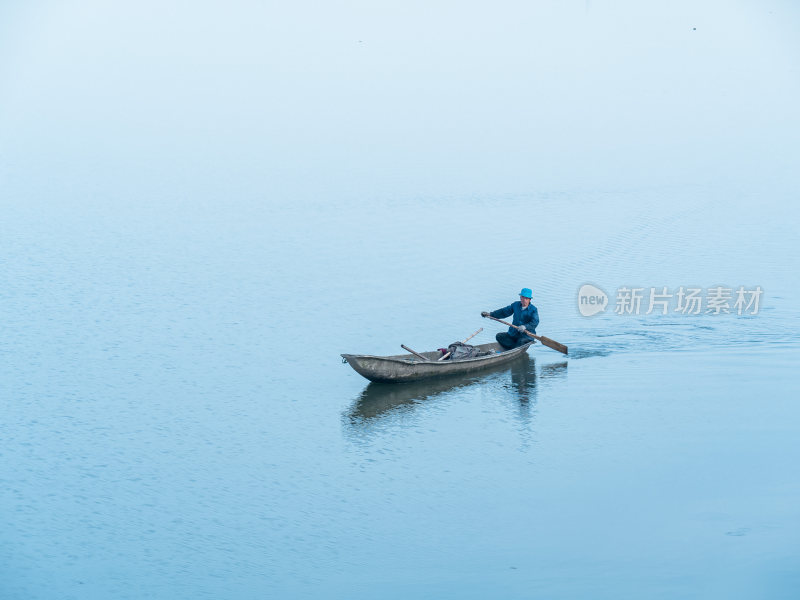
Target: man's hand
<point>521,328</point>
<point>484,314</point>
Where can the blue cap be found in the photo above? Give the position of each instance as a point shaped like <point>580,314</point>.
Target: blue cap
<point>526,293</point>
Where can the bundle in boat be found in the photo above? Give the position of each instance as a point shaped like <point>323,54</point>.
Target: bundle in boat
<point>460,351</point>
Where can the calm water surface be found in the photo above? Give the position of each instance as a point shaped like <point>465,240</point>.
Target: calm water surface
<point>177,422</point>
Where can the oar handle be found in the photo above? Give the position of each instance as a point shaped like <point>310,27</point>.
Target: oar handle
<point>544,340</point>
<point>533,335</point>
<point>473,335</point>
<point>404,347</point>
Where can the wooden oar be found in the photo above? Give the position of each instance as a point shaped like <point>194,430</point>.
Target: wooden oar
<point>544,340</point>
<point>464,342</point>
<point>404,347</point>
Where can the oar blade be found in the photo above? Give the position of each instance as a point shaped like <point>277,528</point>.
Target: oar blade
<point>553,344</point>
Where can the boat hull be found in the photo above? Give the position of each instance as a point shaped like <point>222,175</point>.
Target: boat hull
<point>402,368</point>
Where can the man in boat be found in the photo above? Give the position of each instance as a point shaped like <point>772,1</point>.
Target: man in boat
<point>526,317</point>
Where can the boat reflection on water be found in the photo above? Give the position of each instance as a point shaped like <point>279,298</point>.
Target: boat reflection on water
<point>523,380</point>
<point>381,399</point>
<point>524,384</point>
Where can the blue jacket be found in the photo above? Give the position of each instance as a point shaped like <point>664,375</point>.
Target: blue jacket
<point>522,316</point>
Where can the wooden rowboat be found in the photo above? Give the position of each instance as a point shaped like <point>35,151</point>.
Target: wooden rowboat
<point>402,367</point>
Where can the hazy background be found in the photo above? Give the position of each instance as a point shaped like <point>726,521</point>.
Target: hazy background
<point>164,100</point>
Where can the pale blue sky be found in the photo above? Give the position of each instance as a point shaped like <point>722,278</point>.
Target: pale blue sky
<point>397,98</point>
